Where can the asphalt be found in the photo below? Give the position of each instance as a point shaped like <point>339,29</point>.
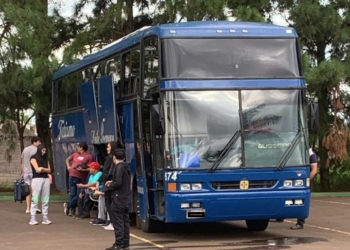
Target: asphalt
<point>328,227</point>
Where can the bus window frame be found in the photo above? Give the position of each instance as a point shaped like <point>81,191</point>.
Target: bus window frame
<point>123,54</point>
<point>297,47</point>
<point>144,39</point>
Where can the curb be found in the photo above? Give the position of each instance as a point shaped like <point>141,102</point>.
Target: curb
<point>52,198</point>
<point>338,194</point>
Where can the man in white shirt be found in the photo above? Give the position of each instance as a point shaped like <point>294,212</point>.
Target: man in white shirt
<point>26,169</point>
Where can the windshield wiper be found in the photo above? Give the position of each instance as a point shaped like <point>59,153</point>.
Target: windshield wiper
<point>290,150</point>
<point>225,150</point>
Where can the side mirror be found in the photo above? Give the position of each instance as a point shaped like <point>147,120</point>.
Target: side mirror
<point>157,120</point>
<point>313,117</point>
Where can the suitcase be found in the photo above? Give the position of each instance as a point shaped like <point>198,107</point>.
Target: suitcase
<point>21,190</point>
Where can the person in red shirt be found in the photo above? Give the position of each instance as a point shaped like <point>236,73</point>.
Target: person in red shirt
<point>78,172</point>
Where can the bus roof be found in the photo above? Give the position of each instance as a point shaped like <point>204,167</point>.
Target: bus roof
<point>196,29</point>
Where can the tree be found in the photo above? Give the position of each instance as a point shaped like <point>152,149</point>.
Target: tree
<point>324,30</point>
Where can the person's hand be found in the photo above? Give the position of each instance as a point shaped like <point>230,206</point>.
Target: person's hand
<point>98,193</point>
<point>80,185</point>
<point>50,178</point>
<point>81,195</point>
<point>39,170</point>
<point>108,183</point>
<point>93,188</point>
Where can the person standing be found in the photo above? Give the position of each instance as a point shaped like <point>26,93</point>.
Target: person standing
<point>121,200</point>
<point>104,201</point>
<point>26,169</point>
<point>313,171</point>
<point>77,175</point>
<point>40,185</point>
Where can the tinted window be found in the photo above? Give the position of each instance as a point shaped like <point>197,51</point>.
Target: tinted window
<point>131,82</point>
<point>150,64</point>
<point>208,58</point>
<point>71,83</point>
<point>271,120</point>
<point>114,68</point>
<point>199,124</point>
<point>61,96</point>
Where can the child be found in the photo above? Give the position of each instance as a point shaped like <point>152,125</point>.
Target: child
<point>84,199</point>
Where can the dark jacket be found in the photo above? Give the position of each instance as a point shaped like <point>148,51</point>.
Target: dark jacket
<point>105,170</point>
<point>120,186</point>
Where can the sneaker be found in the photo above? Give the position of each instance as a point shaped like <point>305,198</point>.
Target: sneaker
<point>27,211</point>
<point>109,227</point>
<point>98,222</point>
<point>93,221</point>
<point>66,209</point>
<point>33,222</point>
<point>114,247</point>
<point>46,222</point>
<point>38,211</point>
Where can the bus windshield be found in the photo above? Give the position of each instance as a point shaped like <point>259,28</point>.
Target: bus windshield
<point>199,124</point>
<point>230,57</point>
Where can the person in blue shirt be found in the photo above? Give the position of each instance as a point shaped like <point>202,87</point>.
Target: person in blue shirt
<point>313,171</point>
<point>84,199</point>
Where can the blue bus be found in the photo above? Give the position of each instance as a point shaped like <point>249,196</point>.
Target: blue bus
<point>212,116</point>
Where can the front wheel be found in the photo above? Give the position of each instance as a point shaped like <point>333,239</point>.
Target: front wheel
<point>152,226</point>
<point>257,225</point>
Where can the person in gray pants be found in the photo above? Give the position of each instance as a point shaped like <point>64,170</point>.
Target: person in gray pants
<point>40,185</point>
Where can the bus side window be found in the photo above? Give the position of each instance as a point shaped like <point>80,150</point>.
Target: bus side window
<point>151,68</point>
<point>131,64</point>
<point>126,72</point>
<point>61,98</point>
<point>114,68</point>
<point>71,85</point>
<point>96,74</point>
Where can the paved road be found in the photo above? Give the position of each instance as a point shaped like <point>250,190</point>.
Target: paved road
<point>327,228</point>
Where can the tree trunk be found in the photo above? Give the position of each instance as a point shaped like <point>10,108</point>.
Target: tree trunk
<point>323,169</point>
<point>43,130</point>
<point>130,16</point>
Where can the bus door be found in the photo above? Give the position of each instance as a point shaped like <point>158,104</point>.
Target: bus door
<point>90,114</point>
<point>107,111</point>
<point>129,118</point>
<point>153,159</point>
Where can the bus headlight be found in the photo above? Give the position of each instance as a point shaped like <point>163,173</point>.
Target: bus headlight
<point>299,183</point>
<point>288,183</point>
<point>185,186</point>
<point>196,205</point>
<point>196,186</point>
<point>308,182</point>
<point>185,205</point>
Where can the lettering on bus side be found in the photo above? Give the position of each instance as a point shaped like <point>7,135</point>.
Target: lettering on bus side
<point>65,130</point>
<point>98,136</point>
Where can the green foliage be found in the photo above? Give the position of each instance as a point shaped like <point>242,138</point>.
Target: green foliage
<point>28,38</point>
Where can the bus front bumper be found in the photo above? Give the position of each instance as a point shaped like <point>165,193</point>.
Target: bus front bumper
<point>225,206</point>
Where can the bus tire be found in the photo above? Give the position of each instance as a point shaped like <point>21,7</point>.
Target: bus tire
<point>151,226</point>
<point>257,225</point>
<point>135,219</point>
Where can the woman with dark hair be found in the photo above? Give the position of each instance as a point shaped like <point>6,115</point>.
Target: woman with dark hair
<point>105,199</point>
<point>40,185</point>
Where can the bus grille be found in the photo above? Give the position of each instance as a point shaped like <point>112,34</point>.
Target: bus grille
<point>236,184</point>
